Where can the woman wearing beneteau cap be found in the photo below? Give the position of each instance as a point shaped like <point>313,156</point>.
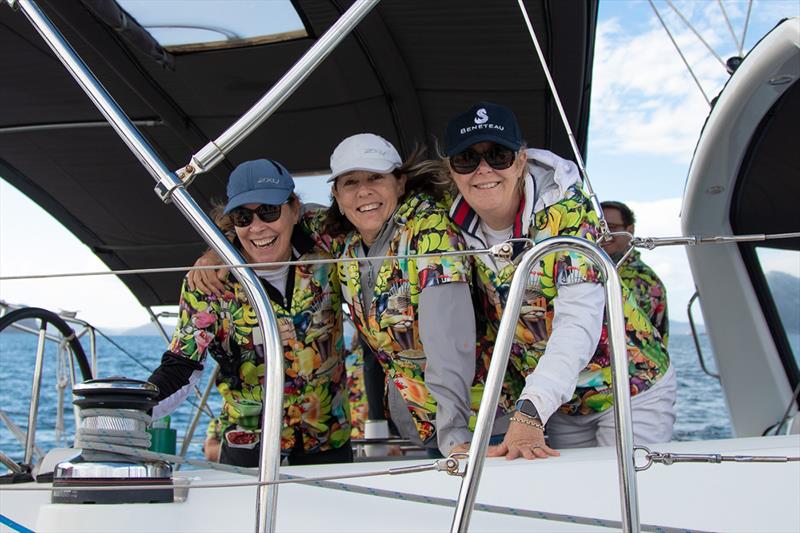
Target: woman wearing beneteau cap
<point>411,313</point>
<point>506,191</point>
<point>263,218</point>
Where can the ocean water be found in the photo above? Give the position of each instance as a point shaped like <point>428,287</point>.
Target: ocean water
<point>702,413</point>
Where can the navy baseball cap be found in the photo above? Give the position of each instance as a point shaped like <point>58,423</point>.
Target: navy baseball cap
<point>483,121</point>
<point>261,181</point>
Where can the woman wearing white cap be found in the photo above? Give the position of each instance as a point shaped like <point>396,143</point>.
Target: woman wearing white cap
<point>506,191</point>
<point>411,313</point>
<point>263,219</point>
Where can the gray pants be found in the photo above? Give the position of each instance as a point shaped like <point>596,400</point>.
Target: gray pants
<point>653,418</point>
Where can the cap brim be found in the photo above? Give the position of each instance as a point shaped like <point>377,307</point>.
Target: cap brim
<point>365,168</point>
<point>258,196</point>
<point>479,138</point>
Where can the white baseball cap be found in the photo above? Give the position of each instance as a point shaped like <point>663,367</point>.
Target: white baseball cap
<point>364,151</point>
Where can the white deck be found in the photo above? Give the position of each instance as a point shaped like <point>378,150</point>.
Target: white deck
<point>719,497</point>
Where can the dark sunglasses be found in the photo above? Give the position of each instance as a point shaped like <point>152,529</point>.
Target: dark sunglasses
<point>243,217</point>
<point>498,157</point>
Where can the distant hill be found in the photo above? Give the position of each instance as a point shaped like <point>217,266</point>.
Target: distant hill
<point>785,290</point>
<point>145,330</point>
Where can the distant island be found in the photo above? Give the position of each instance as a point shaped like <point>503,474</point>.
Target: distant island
<point>145,330</point>
<point>785,290</point>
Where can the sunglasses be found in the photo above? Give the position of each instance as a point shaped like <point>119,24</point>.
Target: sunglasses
<point>243,217</point>
<point>498,157</point>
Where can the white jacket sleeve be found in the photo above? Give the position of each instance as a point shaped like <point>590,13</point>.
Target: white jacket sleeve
<point>577,323</point>
<point>447,332</point>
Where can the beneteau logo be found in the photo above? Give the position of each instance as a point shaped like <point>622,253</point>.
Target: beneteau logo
<point>481,119</point>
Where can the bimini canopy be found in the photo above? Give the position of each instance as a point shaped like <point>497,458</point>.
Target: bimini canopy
<point>407,67</point>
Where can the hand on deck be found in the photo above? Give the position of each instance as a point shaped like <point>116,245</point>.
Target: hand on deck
<point>460,448</point>
<point>523,440</point>
<point>208,281</point>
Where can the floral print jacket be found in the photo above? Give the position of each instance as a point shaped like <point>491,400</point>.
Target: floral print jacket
<point>316,409</point>
<point>391,326</point>
<point>649,291</point>
<point>559,210</point>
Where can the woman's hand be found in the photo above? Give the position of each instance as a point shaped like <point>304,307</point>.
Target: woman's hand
<point>212,448</point>
<point>522,440</point>
<point>460,448</point>
<point>208,281</point>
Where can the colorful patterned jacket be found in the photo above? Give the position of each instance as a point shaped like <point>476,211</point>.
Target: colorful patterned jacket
<point>554,205</point>
<point>648,290</point>
<point>391,326</point>
<point>316,410</point>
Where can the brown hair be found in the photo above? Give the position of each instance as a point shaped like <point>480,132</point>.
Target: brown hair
<point>423,175</point>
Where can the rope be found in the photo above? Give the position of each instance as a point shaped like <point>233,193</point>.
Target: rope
<point>642,242</point>
<point>243,265</point>
<point>746,21</point>
<point>730,27</point>
<point>696,33</point>
<point>680,53</point>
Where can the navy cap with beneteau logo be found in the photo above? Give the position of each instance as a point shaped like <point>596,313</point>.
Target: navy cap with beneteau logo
<point>484,121</point>
<point>261,181</point>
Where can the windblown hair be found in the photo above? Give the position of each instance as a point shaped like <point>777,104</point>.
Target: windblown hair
<point>628,218</point>
<point>423,175</point>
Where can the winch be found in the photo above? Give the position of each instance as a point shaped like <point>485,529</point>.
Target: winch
<point>112,411</point>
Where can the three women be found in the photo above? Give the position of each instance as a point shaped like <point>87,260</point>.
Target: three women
<point>415,315</point>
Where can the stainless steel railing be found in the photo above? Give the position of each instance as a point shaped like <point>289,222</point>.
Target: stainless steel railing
<point>171,188</point>
<point>497,368</point>
<point>255,292</point>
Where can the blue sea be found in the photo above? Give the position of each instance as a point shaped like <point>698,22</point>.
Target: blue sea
<point>702,413</point>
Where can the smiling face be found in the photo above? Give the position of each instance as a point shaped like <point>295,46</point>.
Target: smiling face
<point>368,199</point>
<point>493,194</point>
<point>265,242</point>
<point>617,246</point>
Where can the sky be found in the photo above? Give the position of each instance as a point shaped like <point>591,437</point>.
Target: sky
<point>646,115</point>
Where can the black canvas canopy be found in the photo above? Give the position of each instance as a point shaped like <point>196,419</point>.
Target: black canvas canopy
<point>404,71</point>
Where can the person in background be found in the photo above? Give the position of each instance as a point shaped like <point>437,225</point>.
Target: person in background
<point>555,375</point>
<point>265,220</point>
<point>642,281</point>
<point>412,314</point>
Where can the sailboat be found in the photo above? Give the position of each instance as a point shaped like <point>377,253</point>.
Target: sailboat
<point>399,73</point>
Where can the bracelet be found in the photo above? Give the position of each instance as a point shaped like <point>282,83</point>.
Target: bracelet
<point>533,422</point>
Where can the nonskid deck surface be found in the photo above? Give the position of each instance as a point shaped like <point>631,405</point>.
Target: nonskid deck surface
<point>580,484</point>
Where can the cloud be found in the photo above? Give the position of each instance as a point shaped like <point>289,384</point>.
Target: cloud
<point>644,100</point>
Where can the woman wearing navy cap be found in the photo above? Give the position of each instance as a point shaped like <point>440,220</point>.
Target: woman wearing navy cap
<point>507,191</point>
<point>264,219</point>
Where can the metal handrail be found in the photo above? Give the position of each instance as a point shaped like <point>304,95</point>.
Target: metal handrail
<point>695,336</point>
<point>266,503</point>
<point>214,152</point>
<point>619,371</point>
<point>273,386</point>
